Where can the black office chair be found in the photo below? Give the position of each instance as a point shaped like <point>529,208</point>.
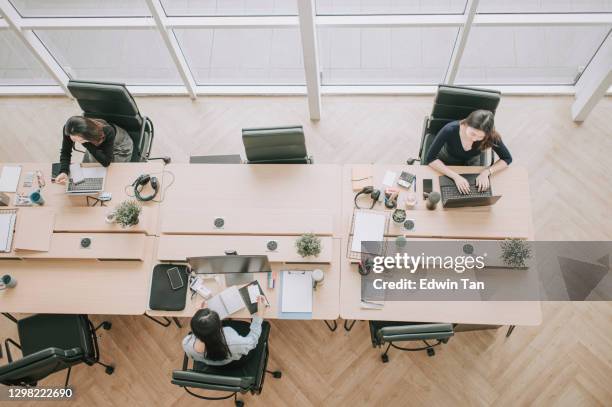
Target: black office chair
<point>114,103</point>
<point>50,343</point>
<point>215,159</point>
<point>275,145</point>
<point>237,377</point>
<point>455,103</point>
<point>382,332</point>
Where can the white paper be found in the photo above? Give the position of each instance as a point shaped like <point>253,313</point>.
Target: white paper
<point>94,172</point>
<point>389,178</point>
<point>232,300</point>
<point>254,292</point>
<point>7,227</point>
<point>297,291</point>
<point>76,173</point>
<point>369,226</point>
<point>9,178</point>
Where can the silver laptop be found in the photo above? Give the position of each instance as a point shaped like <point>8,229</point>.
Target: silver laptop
<point>86,180</point>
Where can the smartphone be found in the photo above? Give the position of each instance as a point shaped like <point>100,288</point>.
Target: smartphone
<point>427,187</point>
<point>176,280</point>
<point>406,179</point>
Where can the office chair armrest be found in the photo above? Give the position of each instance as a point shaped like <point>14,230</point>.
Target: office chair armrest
<point>423,133</point>
<point>310,160</point>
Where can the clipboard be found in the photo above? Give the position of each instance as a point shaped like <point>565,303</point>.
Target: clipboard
<point>244,293</point>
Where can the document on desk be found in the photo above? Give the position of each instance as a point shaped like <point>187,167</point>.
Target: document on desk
<point>9,178</point>
<point>367,226</point>
<point>227,302</point>
<point>297,291</point>
<point>7,228</point>
<point>34,229</point>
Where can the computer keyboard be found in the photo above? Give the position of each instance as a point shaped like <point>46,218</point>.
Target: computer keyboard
<point>88,184</point>
<point>451,191</point>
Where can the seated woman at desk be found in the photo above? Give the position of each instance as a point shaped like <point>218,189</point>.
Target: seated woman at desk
<point>104,142</point>
<point>461,142</point>
<point>213,344</point>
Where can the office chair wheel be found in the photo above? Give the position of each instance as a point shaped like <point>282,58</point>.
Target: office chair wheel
<point>107,325</point>
<point>277,374</point>
<point>109,370</point>
<point>239,403</point>
<point>166,160</point>
<point>431,352</point>
<point>385,358</point>
<point>411,161</point>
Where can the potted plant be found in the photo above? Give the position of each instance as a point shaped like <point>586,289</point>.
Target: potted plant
<point>126,214</point>
<point>308,245</point>
<point>515,252</point>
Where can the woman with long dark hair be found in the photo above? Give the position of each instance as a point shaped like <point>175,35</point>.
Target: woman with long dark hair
<point>461,142</point>
<point>213,344</point>
<point>104,142</point>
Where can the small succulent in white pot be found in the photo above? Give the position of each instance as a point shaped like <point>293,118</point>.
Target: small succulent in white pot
<point>308,245</point>
<point>127,213</point>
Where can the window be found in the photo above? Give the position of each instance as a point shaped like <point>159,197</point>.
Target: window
<point>230,7</point>
<point>243,56</point>
<point>548,55</point>
<point>357,7</point>
<point>545,6</point>
<point>134,57</point>
<point>17,65</point>
<point>81,8</point>
<point>385,56</point>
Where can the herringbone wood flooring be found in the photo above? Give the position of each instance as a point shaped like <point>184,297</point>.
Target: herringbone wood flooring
<point>566,361</point>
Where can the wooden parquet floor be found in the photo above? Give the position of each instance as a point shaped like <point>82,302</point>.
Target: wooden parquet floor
<point>567,361</point>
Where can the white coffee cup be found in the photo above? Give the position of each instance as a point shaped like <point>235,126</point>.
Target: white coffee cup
<point>317,277</point>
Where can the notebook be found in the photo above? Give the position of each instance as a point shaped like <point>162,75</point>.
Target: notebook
<point>367,226</point>
<point>7,228</point>
<point>297,291</point>
<point>227,302</point>
<point>34,229</point>
<point>9,178</point>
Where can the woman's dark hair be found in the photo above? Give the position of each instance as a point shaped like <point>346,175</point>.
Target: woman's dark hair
<point>206,326</point>
<point>485,121</point>
<point>90,129</point>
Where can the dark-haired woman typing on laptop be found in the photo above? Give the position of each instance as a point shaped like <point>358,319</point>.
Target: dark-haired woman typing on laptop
<point>213,344</point>
<point>461,142</point>
<point>104,142</point>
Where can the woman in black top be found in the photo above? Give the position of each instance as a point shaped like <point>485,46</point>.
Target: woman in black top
<point>105,143</point>
<point>461,142</point>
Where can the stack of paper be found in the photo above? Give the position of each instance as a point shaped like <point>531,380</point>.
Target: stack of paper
<point>7,228</point>
<point>9,178</point>
<point>367,227</point>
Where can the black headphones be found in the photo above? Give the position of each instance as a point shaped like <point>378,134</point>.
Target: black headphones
<point>141,182</point>
<point>374,195</point>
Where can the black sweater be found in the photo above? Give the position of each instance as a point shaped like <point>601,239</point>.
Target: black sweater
<point>102,153</point>
<point>449,135</point>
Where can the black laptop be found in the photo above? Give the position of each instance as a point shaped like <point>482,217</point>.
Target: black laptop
<point>452,198</point>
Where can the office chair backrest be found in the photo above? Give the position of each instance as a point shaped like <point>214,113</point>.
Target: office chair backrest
<point>109,101</point>
<point>36,366</point>
<point>456,103</point>
<point>415,332</point>
<point>275,145</point>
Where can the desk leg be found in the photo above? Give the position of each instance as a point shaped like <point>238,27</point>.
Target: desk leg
<point>177,322</point>
<point>165,323</point>
<point>9,316</point>
<point>332,327</point>
<point>510,329</point>
<point>348,325</point>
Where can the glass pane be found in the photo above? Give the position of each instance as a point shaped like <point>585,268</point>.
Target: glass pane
<point>17,65</point>
<point>134,57</point>
<point>551,55</point>
<point>385,56</point>
<point>243,56</point>
<point>81,8</point>
<point>230,7</point>
<point>545,6</point>
<point>353,7</point>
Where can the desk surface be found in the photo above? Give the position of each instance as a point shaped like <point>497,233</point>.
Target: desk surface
<point>512,212</point>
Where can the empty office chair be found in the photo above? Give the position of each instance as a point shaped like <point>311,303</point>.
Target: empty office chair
<point>114,103</point>
<point>389,332</point>
<point>237,377</point>
<point>276,145</point>
<point>455,103</point>
<point>215,159</point>
<point>50,343</point>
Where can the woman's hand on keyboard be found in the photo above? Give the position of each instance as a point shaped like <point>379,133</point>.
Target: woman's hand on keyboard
<point>482,181</point>
<point>462,184</point>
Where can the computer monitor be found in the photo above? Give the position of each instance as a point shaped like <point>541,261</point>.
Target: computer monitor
<point>235,267</point>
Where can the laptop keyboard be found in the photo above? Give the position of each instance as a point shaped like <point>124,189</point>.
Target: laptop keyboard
<point>451,191</point>
<point>88,184</point>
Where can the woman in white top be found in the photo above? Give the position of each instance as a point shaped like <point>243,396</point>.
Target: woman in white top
<point>211,343</point>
